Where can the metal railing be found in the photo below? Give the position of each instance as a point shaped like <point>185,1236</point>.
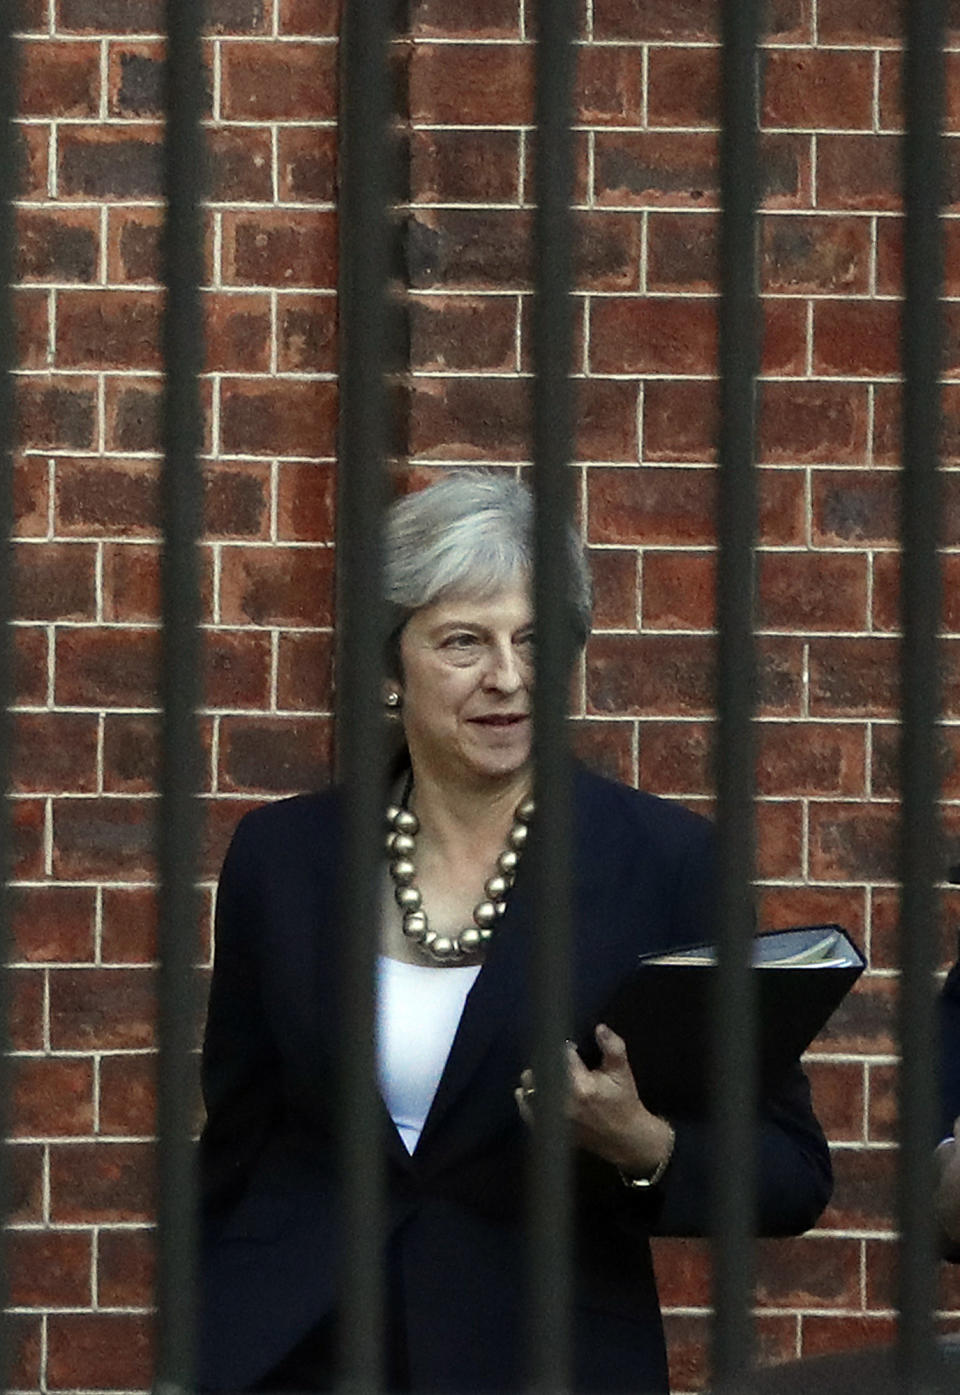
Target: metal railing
<point>364,360</point>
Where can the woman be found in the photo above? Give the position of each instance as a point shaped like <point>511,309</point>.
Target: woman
<point>454,1038</point>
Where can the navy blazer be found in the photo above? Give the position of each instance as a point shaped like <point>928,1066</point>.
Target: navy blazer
<point>950,1051</point>
<point>642,882</point>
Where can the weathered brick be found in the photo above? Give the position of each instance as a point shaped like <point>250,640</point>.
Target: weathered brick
<point>680,421</point>
<point>133,244</point>
<point>109,329</point>
<point>236,668</point>
<point>130,754</point>
<point>101,497</point>
<point>129,925</point>
<point>132,410</point>
<point>99,1351</point>
<point>465,166</point>
<point>32,16</point>
<point>25,1339</point>
<point>780,840</point>
<point>678,591</point>
<point>125,1267</point>
<point>109,162</point>
<point>54,751</point>
<point>54,581</point>
<point>102,1009</point>
<point>615,587</point>
<point>98,668</point>
<point>808,254</point>
<point>463,332</point>
<point>58,79</point>
<point>480,19</point>
<point>110,16</point>
<point>683,87</point>
<point>30,676</point>
<point>279,755</point>
<point>237,333</point>
<point>240,166</point>
<point>57,413</point>
<point>667,506</point>
<point>28,817</point>
<point>815,422</point>
<point>469,84</point>
<point>278,417</point>
<point>236,500</point>
<point>31,310</point>
<point>609,86</point>
<point>838,1089</point>
<point>825,89</point>
<point>108,838</point>
<point>675,758</point>
<point>274,82</point>
<point>886,424</point>
<point>679,20</point>
<point>238,16</point>
<point>873,23</point>
<point>817,758</point>
<point>812,591</point>
<point>33,156</point>
<point>858,172</point>
<point>281,586</point>
<point>31,497</point>
<point>305,503</point>
<point>52,1096</point>
<point>647,335</point>
<point>306,333</point>
<point>307,164</point>
<point>606,747</point>
<point>859,338</point>
<point>280,249</point>
<point>651,168</point>
<point>312,17</point>
<point>304,671</point>
<point>53,924</point>
<point>48,1269</point>
<point>59,245</point>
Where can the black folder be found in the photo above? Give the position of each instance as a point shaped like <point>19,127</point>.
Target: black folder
<point>662,1011</point>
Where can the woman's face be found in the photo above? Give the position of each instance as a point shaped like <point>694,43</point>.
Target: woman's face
<point>467,683</point>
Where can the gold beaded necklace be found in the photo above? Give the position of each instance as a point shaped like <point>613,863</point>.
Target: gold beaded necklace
<point>402,829</point>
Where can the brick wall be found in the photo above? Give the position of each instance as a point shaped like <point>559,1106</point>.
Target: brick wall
<point>88,536</point>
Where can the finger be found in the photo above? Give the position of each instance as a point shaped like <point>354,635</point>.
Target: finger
<point>526,1079</point>
<point>612,1047</point>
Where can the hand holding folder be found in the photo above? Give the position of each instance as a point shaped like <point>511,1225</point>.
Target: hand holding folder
<point>662,1011</point>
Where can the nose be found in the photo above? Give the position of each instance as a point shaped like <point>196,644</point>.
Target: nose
<point>504,670</point>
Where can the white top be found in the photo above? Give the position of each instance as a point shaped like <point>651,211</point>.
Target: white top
<point>418,1012</point>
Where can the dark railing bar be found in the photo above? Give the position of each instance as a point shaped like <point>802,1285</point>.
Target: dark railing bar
<point>734,1019</point>
<point>9,180</point>
<point>361,617</point>
<point>178,833</point>
<point>921,849</point>
<point>549,1197</point>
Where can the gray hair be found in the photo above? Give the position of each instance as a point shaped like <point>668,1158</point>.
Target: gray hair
<point>470,532</point>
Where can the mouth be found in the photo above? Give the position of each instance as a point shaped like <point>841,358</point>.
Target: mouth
<point>501,719</point>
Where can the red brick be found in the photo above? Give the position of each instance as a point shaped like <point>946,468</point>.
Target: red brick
<point>99,1351</point>
<point>29,818</point>
<point>854,506</point>
<point>101,497</point>
<point>818,89</point>
<point>779,840</point>
<point>132,413</point>
<point>278,755</point>
<point>237,329</point>
<point>854,677</point>
<point>821,1271</point>
<point>53,752</point>
<point>684,1271</point>
<point>676,758</point>
<point>26,1029</point>
<point>220,820</point>
<point>786,21</point>
<point>307,164</point>
<point>885,764</point>
<point>606,747</point>
<point>57,413</point>
<point>849,842</point>
<point>110,16</point>
<point>125,1268</point>
<point>615,589</point>
<point>651,168</point>
<point>52,924</point>
<point>856,338</point>
<point>810,254</point>
<point>881,1269</point>
<point>682,251</point>
<point>858,172</point>
<point>305,671</point>
<point>305,502</point>
<point>30,676</point>
<point>679,506</point>
<point>885,931</point>
<point>653,335</point>
<point>886,432</point>
<point>679,591</point>
<point>277,82</point>
<point>823,1334</point>
<point>54,581</point>
<point>58,79</point>
<point>812,591</point>
<point>32,16</point>
<point>25,1337</point>
<point>49,1269</point>
<point>873,23</point>
<point>306,333</point>
<point>108,329</point>
<point>236,500</point>
<point>816,422</point>
<point>811,759</point>
<point>60,245</point>
<point>278,418</point>
<point>52,1096</point>
<point>31,309</point>
<point>280,249</point>
<point>236,669</point>
<point>129,925</point>
<point>470,84</point>
<point>882,1121</point>
<point>130,755</point>
<point>238,16</point>
<point>240,164</point>
<point>463,332</point>
<point>131,582</point>
<point>133,244</point>
<point>609,86</point>
<point>864,1023</point>
<point>109,162</point>
<point>891,99</point>
<point>782,906</point>
<point>464,166</point>
<point>311,17</point>
<point>838,1095</point>
<point>135,80</point>
<point>33,158</point>
<point>683,87</point>
<point>890,256</point>
<point>680,421</point>
<point>128,1095</point>
<point>30,497</point>
<point>277,586</point>
<point>97,668</point>
<point>102,1009</point>
<point>103,838</point>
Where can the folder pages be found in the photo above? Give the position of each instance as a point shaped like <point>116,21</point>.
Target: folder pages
<point>663,1011</point>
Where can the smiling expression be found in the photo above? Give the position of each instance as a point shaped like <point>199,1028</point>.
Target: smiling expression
<point>467,684</point>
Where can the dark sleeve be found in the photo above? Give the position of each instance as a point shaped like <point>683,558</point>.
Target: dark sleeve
<point>794,1176</point>
<point>239,1065</point>
<point>950,1051</point>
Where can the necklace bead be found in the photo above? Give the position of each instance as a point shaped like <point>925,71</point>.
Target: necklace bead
<point>402,828</point>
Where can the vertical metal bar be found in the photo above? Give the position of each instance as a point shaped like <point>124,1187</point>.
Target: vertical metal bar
<point>9,172</point>
<point>179,813</point>
<point>734,1008</point>
<point>549,1251</point>
<point>361,621</point>
<point>920,601</point>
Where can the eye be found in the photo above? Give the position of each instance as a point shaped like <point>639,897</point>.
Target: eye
<point>461,641</point>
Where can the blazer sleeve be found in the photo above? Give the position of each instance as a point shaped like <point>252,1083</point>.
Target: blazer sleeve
<point>794,1176</point>
<point>239,1068</point>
